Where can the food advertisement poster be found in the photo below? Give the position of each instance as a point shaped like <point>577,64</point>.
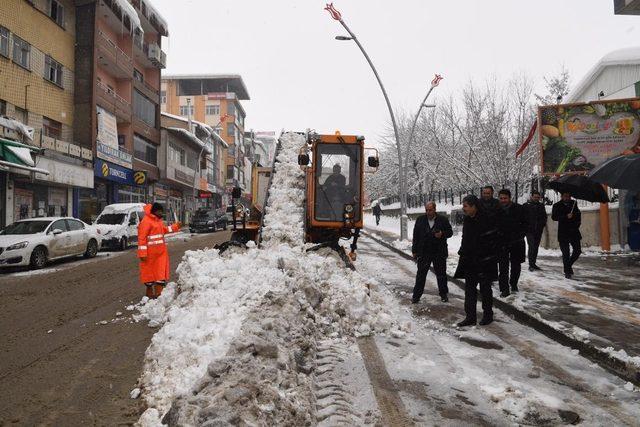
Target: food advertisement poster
<point>578,137</point>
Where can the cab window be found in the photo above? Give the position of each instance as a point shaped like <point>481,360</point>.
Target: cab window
<point>337,181</point>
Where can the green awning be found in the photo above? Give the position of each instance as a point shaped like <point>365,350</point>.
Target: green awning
<point>17,155</point>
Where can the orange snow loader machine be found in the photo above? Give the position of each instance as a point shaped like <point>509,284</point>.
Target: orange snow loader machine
<point>335,168</point>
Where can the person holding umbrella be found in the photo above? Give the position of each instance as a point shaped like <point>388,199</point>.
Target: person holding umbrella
<point>568,216</point>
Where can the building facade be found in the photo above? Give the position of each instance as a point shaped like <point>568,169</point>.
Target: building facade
<point>37,74</point>
<point>119,59</point>
<point>209,99</point>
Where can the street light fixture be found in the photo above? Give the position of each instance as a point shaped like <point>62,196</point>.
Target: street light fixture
<point>335,14</point>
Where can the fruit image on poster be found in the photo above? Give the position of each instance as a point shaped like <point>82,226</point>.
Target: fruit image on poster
<point>578,137</point>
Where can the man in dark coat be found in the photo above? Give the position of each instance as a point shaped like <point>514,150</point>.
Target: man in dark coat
<point>512,227</point>
<point>536,221</point>
<point>377,211</point>
<point>568,215</point>
<point>488,203</point>
<point>478,263</point>
<point>429,246</point>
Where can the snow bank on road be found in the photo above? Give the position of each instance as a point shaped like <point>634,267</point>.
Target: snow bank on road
<point>221,309</point>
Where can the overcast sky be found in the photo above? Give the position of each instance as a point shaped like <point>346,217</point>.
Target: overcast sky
<point>299,77</point>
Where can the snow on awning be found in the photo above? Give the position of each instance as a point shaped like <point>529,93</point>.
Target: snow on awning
<point>18,156</point>
<point>23,154</point>
<point>15,125</point>
<point>190,136</point>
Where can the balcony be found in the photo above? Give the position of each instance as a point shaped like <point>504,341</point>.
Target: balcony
<point>150,55</point>
<point>148,91</point>
<point>113,59</point>
<point>143,129</point>
<point>107,98</point>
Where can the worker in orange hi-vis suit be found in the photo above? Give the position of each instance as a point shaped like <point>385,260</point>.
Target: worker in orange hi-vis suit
<point>152,249</point>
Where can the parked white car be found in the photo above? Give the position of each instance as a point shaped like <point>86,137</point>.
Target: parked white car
<point>118,224</point>
<point>36,241</point>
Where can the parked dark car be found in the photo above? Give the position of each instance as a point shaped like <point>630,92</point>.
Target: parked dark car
<point>208,220</point>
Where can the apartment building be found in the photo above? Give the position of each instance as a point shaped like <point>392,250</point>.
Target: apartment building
<point>208,99</point>
<point>189,159</point>
<point>37,73</point>
<point>119,59</point>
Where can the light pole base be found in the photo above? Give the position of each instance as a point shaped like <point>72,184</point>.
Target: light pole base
<point>403,227</point>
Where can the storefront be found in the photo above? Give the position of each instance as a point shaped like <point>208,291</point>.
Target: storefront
<point>113,184</point>
<point>3,199</point>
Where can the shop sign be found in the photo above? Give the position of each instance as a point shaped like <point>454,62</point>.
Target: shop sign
<point>579,137</point>
<point>161,191</point>
<point>107,128</point>
<point>204,195</point>
<point>65,173</point>
<point>219,95</point>
<point>175,193</point>
<point>113,172</point>
<point>183,177</point>
<point>113,155</point>
<point>140,177</point>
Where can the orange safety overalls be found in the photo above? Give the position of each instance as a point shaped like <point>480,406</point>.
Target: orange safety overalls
<point>152,251</point>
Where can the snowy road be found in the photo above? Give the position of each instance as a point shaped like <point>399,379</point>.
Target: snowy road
<point>502,374</point>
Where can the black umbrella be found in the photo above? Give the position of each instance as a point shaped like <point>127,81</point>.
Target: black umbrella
<point>620,172</point>
<point>580,187</point>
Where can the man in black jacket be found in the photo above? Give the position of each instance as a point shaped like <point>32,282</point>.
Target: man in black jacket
<point>488,203</point>
<point>377,211</point>
<point>478,263</point>
<point>568,215</point>
<point>512,226</point>
<point>536,221</point>
<point>430,236</point>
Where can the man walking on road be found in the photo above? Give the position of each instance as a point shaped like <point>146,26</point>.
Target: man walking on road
<point>377,211</point>
<point>488,203</point>
<point>512,226</point>
<point>478,263</point>
<point>429,246</point>
<point>568,215</point>
<point>152,249</point>
<point>536,215</point>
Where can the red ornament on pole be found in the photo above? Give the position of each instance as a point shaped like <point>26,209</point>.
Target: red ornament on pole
<point>334,13</point>
<point>224,118</point>
<point>436,80</point>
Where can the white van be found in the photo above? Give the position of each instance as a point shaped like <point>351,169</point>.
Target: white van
<point>118,224</point>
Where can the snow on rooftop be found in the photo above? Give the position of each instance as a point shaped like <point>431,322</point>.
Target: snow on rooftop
<point>154,12</point>
<point>205,127</point>
<point>625,56</point>
<point>128,9</point>
<point>192,137</point>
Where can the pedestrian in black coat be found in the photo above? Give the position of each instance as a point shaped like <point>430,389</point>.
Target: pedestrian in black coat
<point>536,222</point>
<point>489,205</point>
<point>377,211</point>
<point>478,263</point>
<point>569,218</point>
<point>512,226</point>
<point>430,235</point>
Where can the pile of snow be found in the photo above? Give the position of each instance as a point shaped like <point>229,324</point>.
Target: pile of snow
<point>239,330</point>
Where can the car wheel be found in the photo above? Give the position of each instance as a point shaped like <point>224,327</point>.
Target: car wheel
<point>215,228</point>
<point>124,244</point>
<point>38,257</point>
<point>92,249</point>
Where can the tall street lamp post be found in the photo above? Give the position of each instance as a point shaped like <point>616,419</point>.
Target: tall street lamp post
<point>434,83</point>
<point>403,199</point>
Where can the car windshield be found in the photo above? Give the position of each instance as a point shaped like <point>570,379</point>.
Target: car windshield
<point>205,214</point>
<point>26,227</point>
<point>111,219</point>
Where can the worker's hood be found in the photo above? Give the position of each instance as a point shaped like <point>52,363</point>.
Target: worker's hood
<point>147,211</point>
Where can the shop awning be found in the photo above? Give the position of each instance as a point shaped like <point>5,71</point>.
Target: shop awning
<point>16,155</point>
<point>17,126</point>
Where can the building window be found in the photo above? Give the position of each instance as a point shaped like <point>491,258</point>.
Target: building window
<point>144,150</point>
<point>122,142</point>
<point>3,107</point>
<point>144,108</point>
<point>51,128</point>
<point>21,52</point>
<point>186,110</point>
<point>230,172</point>
<point>4,42</point>
<point>212,110</point>
<point>53,70</point>
<point>21,115</point>
<point>231,129</point>
<point>163,96</point>
<point>231,108</point>
<point>138,75</point>
<point>177,155</point>
<point>56,12</point>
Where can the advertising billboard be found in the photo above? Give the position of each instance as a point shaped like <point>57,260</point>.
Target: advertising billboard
<point>575,138</point>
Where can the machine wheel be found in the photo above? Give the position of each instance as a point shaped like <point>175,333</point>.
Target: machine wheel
<point>38,257</point>
<point>92,249</point>
<point>124,244</point>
